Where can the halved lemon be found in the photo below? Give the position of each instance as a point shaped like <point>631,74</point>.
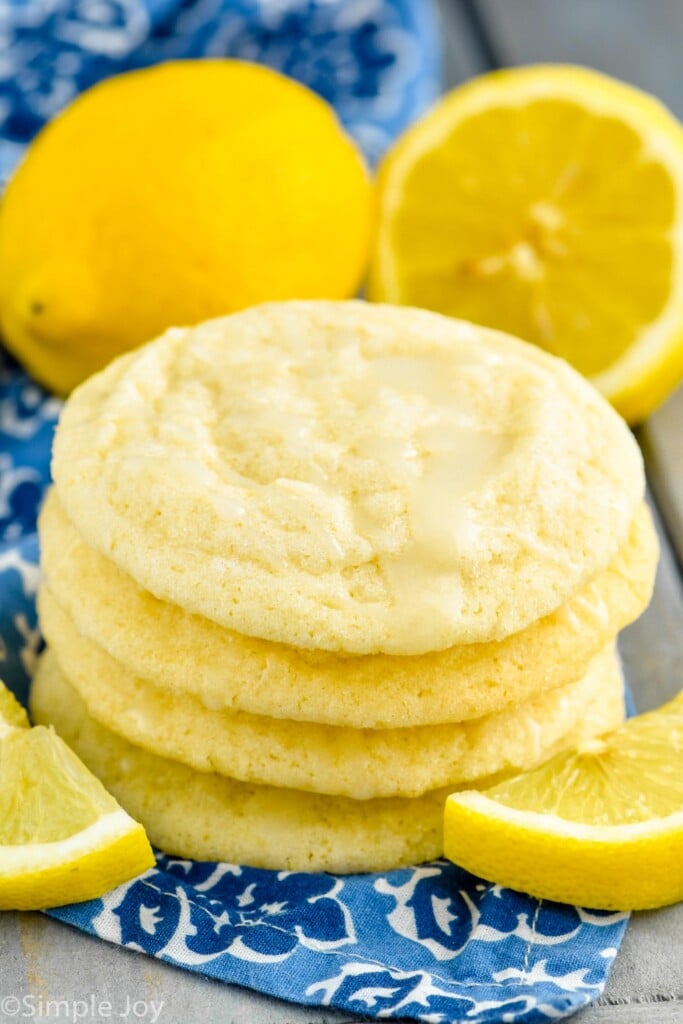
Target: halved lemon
<point>546,201</point>
<point>63,838</point>
<point>600,826</point>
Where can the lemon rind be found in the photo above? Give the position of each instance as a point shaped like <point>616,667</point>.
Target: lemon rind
<point>618,867</point>
<point>16,859</point>
<point>541,823</point>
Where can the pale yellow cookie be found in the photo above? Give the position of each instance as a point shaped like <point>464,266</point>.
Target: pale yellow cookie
<point>359,763</point>
<point>208,817</point>
<point>349,476</point>
<point>187,653</point>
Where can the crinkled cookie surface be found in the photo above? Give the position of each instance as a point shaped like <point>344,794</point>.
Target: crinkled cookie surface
<point>349,476</point>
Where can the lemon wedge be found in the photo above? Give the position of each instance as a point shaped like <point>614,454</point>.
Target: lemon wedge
<point>11,711</point>
<point>600,826</point>
<point>63,838</point>
<point>546,201</point>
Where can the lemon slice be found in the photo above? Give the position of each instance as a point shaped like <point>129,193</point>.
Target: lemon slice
<point>600,826</point>
<point>546,201</point>
<point>63,838</point>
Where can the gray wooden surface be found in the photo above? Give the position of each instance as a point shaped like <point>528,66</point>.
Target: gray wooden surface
<point>641,41</point>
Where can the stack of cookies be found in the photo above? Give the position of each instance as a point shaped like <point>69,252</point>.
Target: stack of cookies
<point>311,567</point>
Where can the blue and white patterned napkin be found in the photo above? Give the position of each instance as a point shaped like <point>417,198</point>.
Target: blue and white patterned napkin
<point>429,942</point>
<point>377,61</point>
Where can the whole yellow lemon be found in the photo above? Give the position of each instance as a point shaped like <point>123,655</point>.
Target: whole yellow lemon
<point>169,195</point>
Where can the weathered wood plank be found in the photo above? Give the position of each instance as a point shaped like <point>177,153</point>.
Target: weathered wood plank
<point>652,648</point>
<point>639,42</point>
<point>463,54</point>
<point>662,439</point>
<point>669,1012</point>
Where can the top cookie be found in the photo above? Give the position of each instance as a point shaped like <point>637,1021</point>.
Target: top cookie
<point>349,476</point>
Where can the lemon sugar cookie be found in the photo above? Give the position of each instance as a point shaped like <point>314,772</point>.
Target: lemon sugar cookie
<point>349,477</point>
